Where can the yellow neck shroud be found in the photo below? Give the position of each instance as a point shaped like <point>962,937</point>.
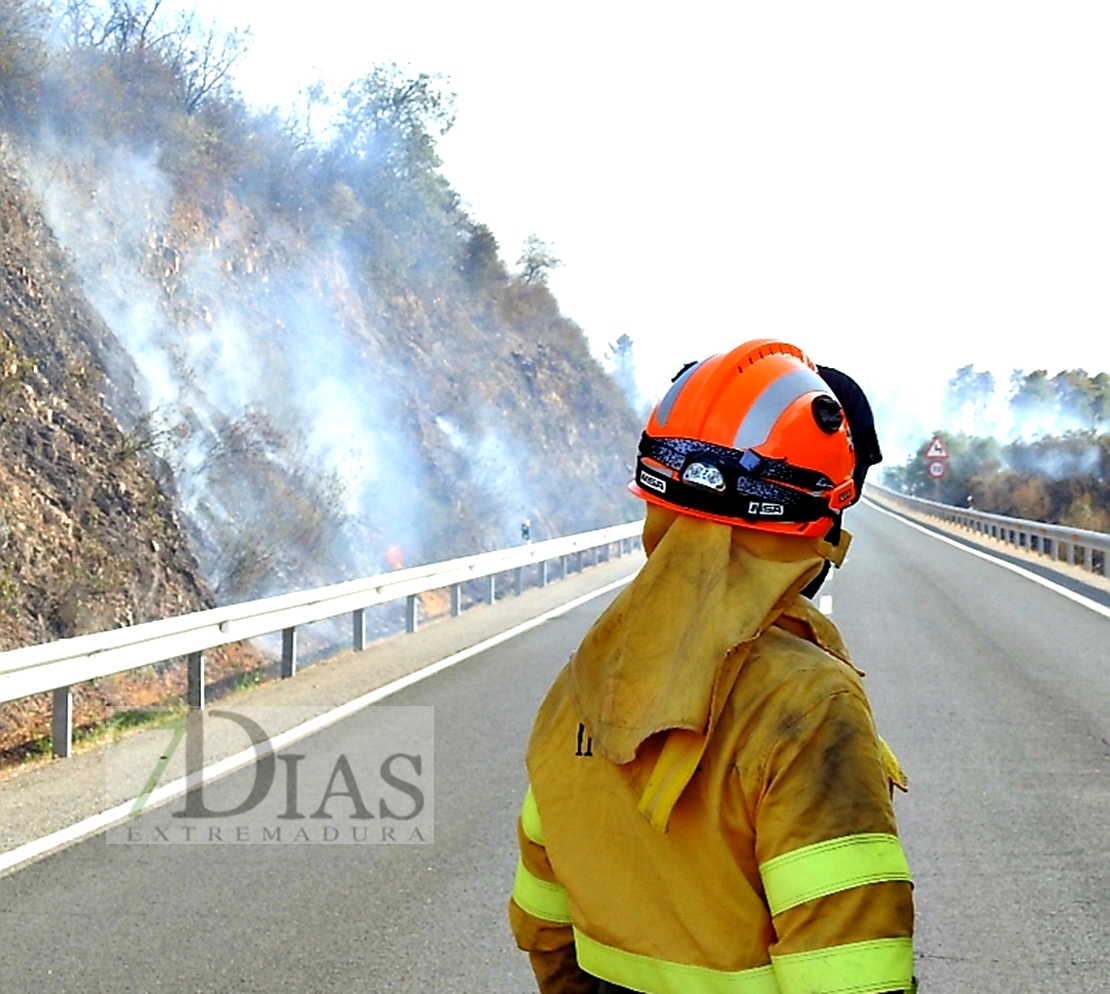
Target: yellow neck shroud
<point>665,655</point>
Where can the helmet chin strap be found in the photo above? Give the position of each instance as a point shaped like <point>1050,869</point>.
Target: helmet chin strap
<point>810,589</point>
<point>833,537</point>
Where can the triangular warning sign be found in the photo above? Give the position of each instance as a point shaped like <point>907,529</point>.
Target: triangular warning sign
<point>937,449</point>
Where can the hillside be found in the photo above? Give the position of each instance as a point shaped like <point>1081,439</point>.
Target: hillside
<point>89,537</point>
<point>328,351</point>
<point>239,357</point>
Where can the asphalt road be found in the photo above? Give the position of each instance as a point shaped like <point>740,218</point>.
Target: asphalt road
<point>994,693</point>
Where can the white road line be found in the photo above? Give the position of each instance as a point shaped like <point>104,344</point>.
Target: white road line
<point>99,822</point>
<point>1071,595</point>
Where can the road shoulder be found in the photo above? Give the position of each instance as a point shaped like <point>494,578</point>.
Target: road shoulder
<point>51,797</point>
<point>1072,577</point>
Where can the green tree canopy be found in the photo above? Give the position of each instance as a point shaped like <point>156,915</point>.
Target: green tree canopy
<point>536,260</point>
<point>393,118</point>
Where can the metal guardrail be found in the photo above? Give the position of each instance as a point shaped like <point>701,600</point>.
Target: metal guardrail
<point>1074,545</point>
<point>56,666</point>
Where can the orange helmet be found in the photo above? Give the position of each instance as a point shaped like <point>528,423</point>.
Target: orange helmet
<point>755,437</point>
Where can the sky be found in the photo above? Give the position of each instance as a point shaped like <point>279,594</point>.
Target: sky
<point>901,189</point>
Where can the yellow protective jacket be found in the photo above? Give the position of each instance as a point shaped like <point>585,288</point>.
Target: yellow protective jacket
<point>708,820</point>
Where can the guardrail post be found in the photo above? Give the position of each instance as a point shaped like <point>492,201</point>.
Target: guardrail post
<point>195,665</point>
<point>358,629</point>
<point>518,580</point>
<point>562,567</point>
<point>61,722</point>
<point>412,610</point>
<point>288,652</point>
<point>491,588</point>
<point>456,599</point>
<point>543,573</point>
<point>1089,558</point>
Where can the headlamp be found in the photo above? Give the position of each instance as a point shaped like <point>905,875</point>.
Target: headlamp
<point>702,474</point>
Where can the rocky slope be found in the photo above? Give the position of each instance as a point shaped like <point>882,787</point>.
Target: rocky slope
<point>237,359</point>
<point>89,537</point>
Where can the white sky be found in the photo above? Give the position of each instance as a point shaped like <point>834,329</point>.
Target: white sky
<point>899,188</point>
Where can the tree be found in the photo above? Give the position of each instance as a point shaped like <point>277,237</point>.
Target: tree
<point>536,260</point>
<point>202,58</point>
<point>394,119</point>
<point>22,56</point>
<point>1072,394</point>
<point>619,356</point>
<point>969,388</point>
<point>197,58</point>
<point>480,263</point>
<point>1100,402</point>
<point>1077,395</point>
<point>1033,396</point>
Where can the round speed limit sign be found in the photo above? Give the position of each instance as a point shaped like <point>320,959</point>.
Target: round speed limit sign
<point>937,469</point>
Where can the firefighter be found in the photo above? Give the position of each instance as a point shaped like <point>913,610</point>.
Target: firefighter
<point>710,805</point>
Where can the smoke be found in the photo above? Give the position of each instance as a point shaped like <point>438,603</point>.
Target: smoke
<point>1017,409</point>
<point>297,408</point>
<point>290,467</point>
<point>1056,459</point>
<point>331,358</point>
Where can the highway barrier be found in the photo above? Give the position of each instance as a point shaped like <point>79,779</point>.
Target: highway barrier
<point>57,666</point>
<point>1077,546</point>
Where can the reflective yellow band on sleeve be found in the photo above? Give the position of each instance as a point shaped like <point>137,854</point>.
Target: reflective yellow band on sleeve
<point>646,973</point>
<point>540,898</point>
<point>826,868</point>
<point>530,818</point>
<point>855,968</point>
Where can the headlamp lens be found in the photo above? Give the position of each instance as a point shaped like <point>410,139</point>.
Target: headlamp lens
<point>703,475</point>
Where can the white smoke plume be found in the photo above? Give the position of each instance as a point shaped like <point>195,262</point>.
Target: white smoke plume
<point>259,366</point>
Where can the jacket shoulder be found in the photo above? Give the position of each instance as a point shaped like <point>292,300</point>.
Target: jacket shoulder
<point>783,661</point>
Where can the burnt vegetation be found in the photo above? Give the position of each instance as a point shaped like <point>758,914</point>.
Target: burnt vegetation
<point>327,229</point>
<point>1058,468</point>
<point>243,352</point>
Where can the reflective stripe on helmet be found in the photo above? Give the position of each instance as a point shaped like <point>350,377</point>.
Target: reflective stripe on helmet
<point>876,965</point>
<point>772,403</point>
<point>540,898</point>
<point>667,403</point>
<point>716,414</point>
<point>646,973</point>
<point>829,867</point>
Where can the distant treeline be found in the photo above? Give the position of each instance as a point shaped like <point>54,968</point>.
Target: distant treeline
<point>1036,403</point>
<point>1059,479</point>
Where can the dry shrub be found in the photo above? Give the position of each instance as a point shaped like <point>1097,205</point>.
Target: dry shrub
<point>1081,513</point>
